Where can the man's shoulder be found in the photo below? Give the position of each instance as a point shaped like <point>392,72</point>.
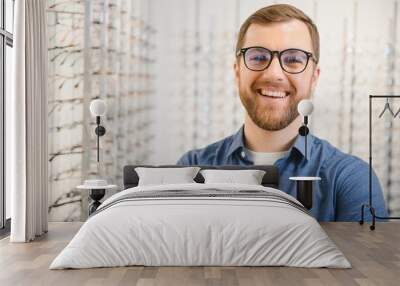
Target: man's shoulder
<point>338,159</point>
<point>207,155</point>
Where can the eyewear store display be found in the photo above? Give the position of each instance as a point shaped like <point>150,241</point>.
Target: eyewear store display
<point>97,49</point>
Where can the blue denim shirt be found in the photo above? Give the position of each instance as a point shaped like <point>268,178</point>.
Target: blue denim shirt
<point>344,178</point>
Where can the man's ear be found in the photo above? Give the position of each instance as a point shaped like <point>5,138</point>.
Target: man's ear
<point>315,77</point>
<point>236,70</point>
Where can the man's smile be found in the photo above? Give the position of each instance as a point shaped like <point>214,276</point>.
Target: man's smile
<point>273,94</point>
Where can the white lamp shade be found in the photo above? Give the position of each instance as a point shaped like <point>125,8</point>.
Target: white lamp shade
<point>305,107</point>
<point>98,107</point>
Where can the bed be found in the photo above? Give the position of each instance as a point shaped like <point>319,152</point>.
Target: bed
<point>201,224</point>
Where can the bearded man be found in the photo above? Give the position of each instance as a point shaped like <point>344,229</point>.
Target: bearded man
<point>277,55</point>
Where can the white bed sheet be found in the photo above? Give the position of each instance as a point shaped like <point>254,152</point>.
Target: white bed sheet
<point>200,231</point>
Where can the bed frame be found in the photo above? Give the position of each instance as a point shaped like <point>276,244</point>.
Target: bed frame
<point>270,179</point>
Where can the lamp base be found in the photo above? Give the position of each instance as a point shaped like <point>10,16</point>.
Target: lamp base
<point>305,193</point>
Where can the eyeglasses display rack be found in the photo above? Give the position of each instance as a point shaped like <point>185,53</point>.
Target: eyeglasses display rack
<point>97,49</point>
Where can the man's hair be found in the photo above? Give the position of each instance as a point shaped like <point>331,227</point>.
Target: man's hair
<point>279,13</point>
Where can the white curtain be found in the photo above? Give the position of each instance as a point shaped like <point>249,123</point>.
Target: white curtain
<point>26,122</point>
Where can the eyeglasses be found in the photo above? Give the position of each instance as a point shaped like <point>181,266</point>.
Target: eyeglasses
<point>291,60</point>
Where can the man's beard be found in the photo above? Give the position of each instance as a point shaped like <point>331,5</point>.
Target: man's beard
<point>267,117</point>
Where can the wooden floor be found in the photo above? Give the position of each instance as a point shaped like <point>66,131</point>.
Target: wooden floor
<point>374,255</point>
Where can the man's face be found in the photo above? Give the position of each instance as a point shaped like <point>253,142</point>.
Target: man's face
<point>261,91</point>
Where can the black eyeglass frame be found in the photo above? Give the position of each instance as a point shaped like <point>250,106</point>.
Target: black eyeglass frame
<point>278,53</point>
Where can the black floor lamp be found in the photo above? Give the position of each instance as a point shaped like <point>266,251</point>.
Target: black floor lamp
<point>305,184</point>
<point>97,187</point>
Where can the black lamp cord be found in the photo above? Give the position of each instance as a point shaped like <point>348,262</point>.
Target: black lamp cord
<point>98,138</point>
<point>305,138</point>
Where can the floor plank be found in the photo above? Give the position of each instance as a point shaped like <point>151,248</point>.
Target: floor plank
<point>374,255</point>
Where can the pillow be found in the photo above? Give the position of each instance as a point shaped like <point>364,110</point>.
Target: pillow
<point>162,176</point>
<point>249,177</point>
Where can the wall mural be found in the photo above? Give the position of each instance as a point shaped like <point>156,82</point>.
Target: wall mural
<point>165,70</point>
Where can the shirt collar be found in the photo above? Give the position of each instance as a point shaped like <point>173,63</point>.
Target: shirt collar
<point>299,144</point>
<point>237,142</point>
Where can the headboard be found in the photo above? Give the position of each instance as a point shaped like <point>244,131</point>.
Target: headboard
<point>270,179</point>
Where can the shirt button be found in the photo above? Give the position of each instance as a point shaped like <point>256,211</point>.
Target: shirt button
<point>242,154</point>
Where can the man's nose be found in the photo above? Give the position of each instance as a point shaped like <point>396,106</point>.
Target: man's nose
<point>274,71</point>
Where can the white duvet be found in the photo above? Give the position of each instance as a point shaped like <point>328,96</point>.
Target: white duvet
<point>183,231</point>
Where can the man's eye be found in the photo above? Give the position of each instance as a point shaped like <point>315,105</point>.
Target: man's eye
<point>293,60</point>
<point>259,58</point>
